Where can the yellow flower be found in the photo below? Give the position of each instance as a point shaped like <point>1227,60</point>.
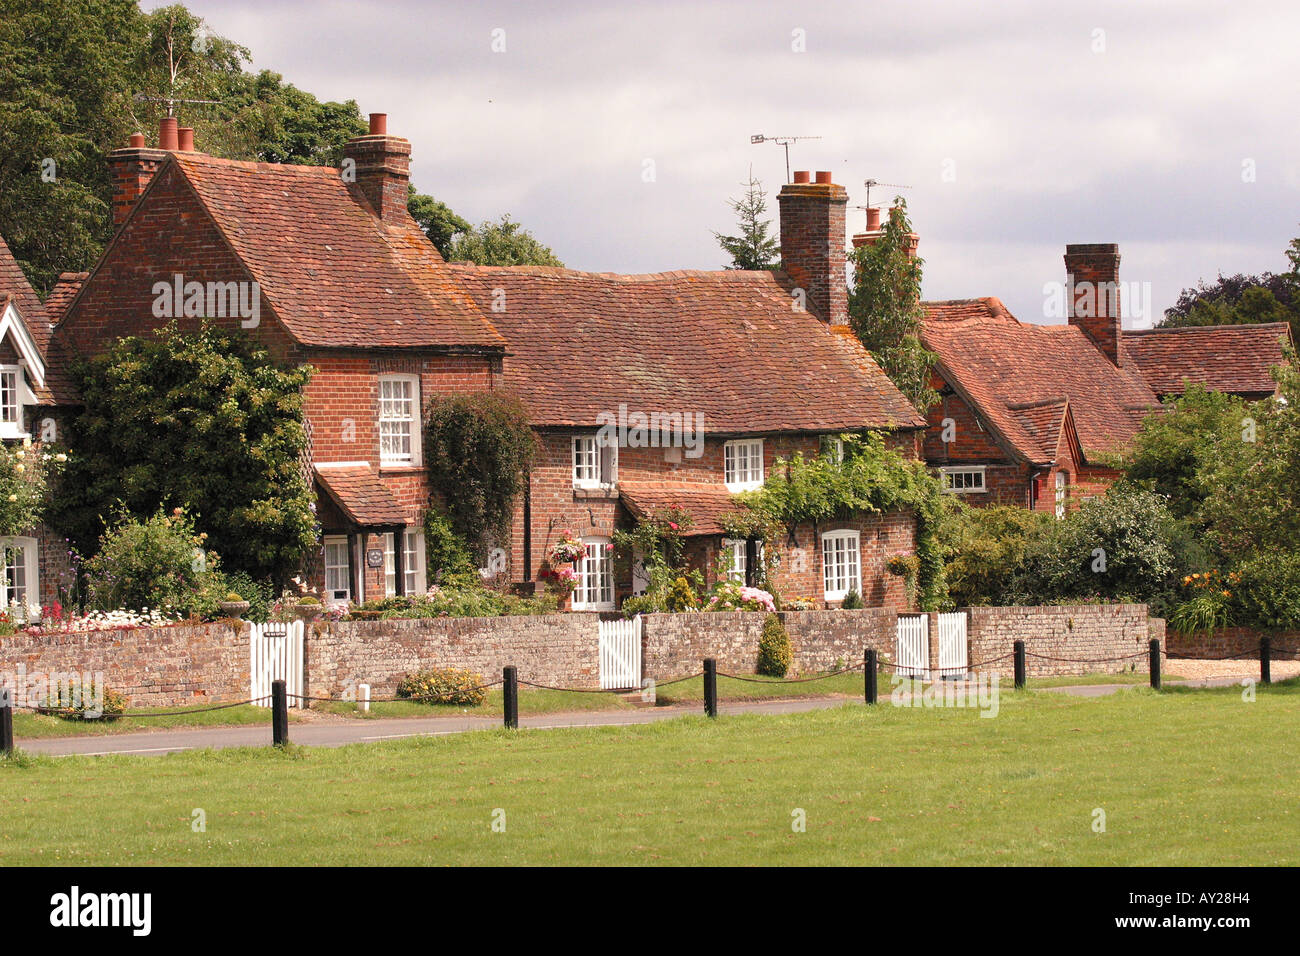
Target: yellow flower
<point>1227,594</point>
<point>20,468</point>
<point>13,497</point>
<point>1187,580</point>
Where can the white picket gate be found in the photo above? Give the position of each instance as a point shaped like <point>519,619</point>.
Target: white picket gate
<point>620,654</point>
<point>913,646</point>
<point>952,645</point>
<point>275,652</point>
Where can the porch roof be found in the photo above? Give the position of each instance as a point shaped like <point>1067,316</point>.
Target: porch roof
<point>706,503</point>
<point>361,496</point>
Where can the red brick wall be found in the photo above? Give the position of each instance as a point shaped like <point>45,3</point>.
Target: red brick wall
<point>557,507</point>
<point>1233,641</point>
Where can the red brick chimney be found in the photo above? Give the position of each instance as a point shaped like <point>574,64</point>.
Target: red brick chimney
<point>812,243</point>
<point>382,170</point>
<point>1092,295</point>
<point>131,169</point>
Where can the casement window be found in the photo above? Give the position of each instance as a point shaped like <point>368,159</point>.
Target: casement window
<point>399,420</point>
<point>963,480</point>
<point>20,577</point>
<point>11,408</point>
<point>595,590</point>
<point>736,552</point>
<point>841,564</point>
<point>1060,494</point>
<point>833,448</point>
<point>338,570</point>
<point>742,464</point>
<point>412,563</point>
<point>595,463</point>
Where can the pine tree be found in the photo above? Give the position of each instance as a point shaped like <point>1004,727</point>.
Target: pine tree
<point>753,248</point>
<point>885,308</point>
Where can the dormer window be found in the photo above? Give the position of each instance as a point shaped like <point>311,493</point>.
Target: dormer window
<point>595,462</point>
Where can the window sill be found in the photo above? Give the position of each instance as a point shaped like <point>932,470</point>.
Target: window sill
<point>596,492</point>
<point>744,486</point>
<point>400,469</point>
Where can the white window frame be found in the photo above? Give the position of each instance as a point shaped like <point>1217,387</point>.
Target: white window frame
<point>28,569</point>
<point>595,590</point>
<point>742,464</point>
<point>736,571</point>
<point>841,564</point>
<point>412,562</point>
<point>949,475</point>
<point>833,447</point>
<point>389,459</point>
<point>1060,495</point>
<point>587,456</point>
<point>11,402</point>
<point>345,569</point>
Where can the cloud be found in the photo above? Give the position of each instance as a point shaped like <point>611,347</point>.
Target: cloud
<point>1110,122</point>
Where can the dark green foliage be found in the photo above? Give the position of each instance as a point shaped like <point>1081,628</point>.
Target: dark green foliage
<point>202,420</point>
<point>885,308</point>
<point>986,546</point>
<point>775,654</point>
<point>852,601</point>
<point>437,220</point>
<point>449,562</point>
<point>504,243</point>
<point>478,448</point>
<point>158,563</point>
<point>753,249</point>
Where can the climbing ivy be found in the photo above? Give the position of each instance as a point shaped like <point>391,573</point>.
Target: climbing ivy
<point>873,479</point>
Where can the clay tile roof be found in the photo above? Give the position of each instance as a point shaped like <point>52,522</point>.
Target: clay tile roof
<point>361,496</point>
<point>724,345</point>
<point>1017,374</point>
<point>334,273</point>
<point>1226,358</point>
<point>64,291</point>
<point>705,503</point>
<point>15,288</point>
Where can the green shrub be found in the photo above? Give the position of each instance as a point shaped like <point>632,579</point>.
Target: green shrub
<point>453,602</point>
<point>443,685</point>
<point>985,547</point>
<point>446,555</point>
<point>640,604</point>
<point>775,655</point>
<point>157,563</point>
<point>681,596</point>
<point>852,601</point>
<point>260,595</point>
<point>1269,590</point>
<point>84,706</point>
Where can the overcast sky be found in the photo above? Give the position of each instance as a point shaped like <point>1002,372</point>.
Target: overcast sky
<point>1019,126</point>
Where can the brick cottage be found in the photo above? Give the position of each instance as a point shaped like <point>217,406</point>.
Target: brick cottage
<point>327,268</point>
<point>1033,415</point>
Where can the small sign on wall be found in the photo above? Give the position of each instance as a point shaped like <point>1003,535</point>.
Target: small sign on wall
<point>375,558</point>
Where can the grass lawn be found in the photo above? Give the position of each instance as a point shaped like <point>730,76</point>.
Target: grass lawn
<point>1192,777</point>
<point>28,724</point>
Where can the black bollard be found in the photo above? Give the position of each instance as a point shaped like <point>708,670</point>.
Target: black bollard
<point>1020,665</point>
<point>1155,664</point>
<point>279,714</point>
<point>1265,664</point>
<point>6,725</point>
<point>510,695</point>
<point>710,687</point>
<point>869,667</point>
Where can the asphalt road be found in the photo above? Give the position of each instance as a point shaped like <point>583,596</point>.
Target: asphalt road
<point>338,733</point>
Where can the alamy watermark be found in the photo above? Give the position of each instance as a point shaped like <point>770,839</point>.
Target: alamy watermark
<point>655,429</point>
<point>208,300</point>
<point>1086,299</point>
<point>83,692</point>
<point>980,692</point>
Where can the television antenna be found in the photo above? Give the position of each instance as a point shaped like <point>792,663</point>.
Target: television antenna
<point>781,141</point>
<point>872,182</point>
<point>171,101</point>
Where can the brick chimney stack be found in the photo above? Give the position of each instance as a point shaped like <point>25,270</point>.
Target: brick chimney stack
<point>812,244</point>
<point>1092,295</point>
<point>383,169</point>
<point>131,169</point>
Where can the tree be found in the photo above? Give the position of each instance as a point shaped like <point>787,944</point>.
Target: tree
<point>1242,299</point>
<point>503,243</point>
<point>64,103</point>
<point>753,249</point>
<point>885,308</point>
<point>200,420</point>
<point>437,220</point>
<point>265,119</point>
<point>1176,443</point>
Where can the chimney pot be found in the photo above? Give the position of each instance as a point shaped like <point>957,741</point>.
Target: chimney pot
<point>382,164</point>
<point>185,137</point>
<point>378,124</point>
<point>873,219</point>
<point>823,177</point>
<point>137,141</point>
<point>801,175</point>
<point>167,138</point>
